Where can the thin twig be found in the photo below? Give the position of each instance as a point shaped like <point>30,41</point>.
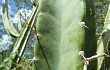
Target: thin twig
<point>96,56</point>
<point>85,67</point>
<point>86,60</point>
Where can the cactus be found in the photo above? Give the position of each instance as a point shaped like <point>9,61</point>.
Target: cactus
<point>103,43</point>
<point>21,41</point>
<point>7,23</point>
<point>19,21</point>
<point>60,35</point>
<point>34,2</point>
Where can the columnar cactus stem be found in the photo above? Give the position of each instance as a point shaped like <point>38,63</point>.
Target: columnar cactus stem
<point>60,34</point>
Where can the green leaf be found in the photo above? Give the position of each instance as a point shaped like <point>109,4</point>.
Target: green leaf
<point>60,34</point>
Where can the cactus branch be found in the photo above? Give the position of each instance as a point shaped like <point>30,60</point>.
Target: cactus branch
<point>38,42</point>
